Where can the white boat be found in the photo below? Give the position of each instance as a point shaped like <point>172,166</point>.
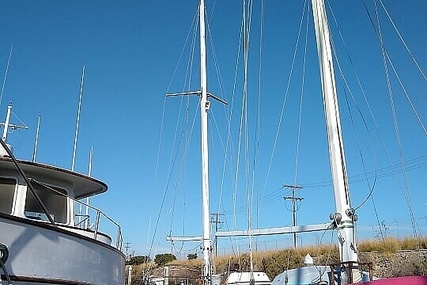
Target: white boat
<point>42,239</point>
<point>248,278</point>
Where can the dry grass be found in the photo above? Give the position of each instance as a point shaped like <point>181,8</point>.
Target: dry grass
<point>277,261</point>
<point>391,245</point>
<point>273,262</point>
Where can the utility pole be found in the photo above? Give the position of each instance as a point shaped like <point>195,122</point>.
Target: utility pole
<point>294,211</point>
<point>127,246</point>
<point>215,220</point>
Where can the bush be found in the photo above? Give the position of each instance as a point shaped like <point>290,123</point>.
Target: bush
<point>192,256</point>
<point>162,259</point>
<point>138,260</point>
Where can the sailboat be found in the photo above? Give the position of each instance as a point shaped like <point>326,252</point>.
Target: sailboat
<point>344,217</point>
<point>208,276</point>
<point>349,270</point>
<point>42,238</point>
<point>204,108</point>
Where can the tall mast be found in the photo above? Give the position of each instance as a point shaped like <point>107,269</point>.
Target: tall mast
<point>204,107</point>
<point>344,217</point>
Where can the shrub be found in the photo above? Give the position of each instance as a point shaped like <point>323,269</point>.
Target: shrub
<point>162,259</point>
<point>138,260</point>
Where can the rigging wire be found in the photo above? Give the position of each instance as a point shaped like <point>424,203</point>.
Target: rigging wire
<point>258,113</point>
<point>241,122</point>
<point>371,187</point>
<point>171,163</point>
<point>347,87</point>
<point>184,134</point>
<point>285,97</point>
<point>225,145</point>
<point>5,74</point>
<point>304,65</point>
<point>184,137</point>
<point>228,145</point>
<point>250,181</point>
<point>275,195</point>
<point>394,168</point>
<point>396,126</point>
<point>175,157</point>
<point>402,86</point>
<point>228,114</point>
<point>403,41</point>
<point>391,170</point>
<point>386,55</point>
<point>402,170</point>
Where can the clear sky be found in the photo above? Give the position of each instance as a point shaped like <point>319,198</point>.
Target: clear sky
<point>146,146</point>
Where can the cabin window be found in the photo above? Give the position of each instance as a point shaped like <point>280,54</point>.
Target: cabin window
<point>7,189</point>
<point>54,200</point>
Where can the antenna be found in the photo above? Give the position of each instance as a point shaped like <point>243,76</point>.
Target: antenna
<point>6,125</point>
<point>6,122</point>
<point>5,74</point>
<point>88,199</point>
<point>36,142</point>
<point>78,118</point>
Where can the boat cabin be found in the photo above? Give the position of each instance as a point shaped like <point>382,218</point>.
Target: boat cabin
<point>57,189</point>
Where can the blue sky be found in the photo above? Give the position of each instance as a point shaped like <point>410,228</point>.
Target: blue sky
<point>135,52</point>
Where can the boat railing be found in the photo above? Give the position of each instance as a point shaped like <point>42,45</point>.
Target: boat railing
<point>82,221</point>
<point>48,214</point>
<point>91,213</point>
<point>350,268</point>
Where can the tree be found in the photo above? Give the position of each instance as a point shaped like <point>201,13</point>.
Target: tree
<point>162,259</point>
<point>191,256</point>
<point>135,260</point>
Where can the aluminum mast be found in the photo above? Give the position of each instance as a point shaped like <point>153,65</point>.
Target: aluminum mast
<point>344,218</point>
<point>204,107</point>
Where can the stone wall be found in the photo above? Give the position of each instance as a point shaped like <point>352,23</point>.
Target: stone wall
<point>401,263</point>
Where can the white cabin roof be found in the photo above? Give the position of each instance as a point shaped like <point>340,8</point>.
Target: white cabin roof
<point>83,185</point>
